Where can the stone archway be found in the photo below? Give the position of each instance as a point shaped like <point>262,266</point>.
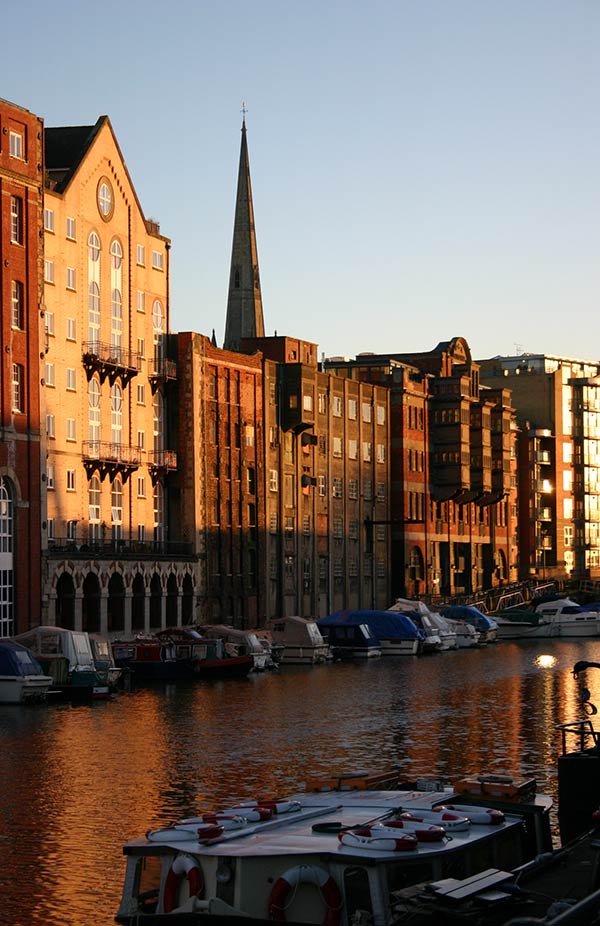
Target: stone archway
<point>172,596</point>
<point>65,602</point>
<point>155,601</point>
<point>138,603</point>
<point>116,603</point>
<point>187,601</point>
<point>91,603</point>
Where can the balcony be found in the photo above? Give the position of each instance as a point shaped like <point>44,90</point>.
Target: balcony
<point>162,461</point>
<point>110,458</point>
<point>85,549</point>
<point>543,514</point>
<point>110,361</point>
<point>161,371</point>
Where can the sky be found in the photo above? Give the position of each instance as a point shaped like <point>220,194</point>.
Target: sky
<point>421,169</point>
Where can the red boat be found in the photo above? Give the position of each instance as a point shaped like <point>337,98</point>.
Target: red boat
<point>179,653</point>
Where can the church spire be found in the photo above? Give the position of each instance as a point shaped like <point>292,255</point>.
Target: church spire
<point>244,302</point>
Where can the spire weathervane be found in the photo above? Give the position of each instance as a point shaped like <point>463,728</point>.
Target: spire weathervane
<point>244,111</point>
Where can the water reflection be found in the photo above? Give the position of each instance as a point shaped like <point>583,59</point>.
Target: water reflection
<point>78,781</point>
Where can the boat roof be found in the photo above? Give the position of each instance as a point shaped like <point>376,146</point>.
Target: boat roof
<point>383,624</point>
<point>294,833</point>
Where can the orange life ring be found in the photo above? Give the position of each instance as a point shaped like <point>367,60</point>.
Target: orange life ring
<point>306,874</point>
<point>184,866</point>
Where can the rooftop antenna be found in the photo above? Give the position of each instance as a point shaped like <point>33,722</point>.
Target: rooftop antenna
<point>518,348</point>
<point>244,111</point>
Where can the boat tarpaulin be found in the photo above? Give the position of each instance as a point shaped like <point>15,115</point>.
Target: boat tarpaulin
<point>385,625</point>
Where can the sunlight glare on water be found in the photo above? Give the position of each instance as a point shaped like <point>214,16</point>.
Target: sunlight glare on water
<point>78,782</point>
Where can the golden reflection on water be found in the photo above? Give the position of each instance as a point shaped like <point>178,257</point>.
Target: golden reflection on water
<point>77,782</point>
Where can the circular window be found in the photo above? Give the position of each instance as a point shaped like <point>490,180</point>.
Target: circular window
<point>105,199</point>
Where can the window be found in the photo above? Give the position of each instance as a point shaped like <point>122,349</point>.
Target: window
<point>49,323</point>
<point>352,488</point>
<point>353,449</point>
<point>94,410</point>
<point>141,347</point>
<point>18,304</point>
<point>249,435</point>
<point>367,489</point>
<point>18,388</point>
<point>116,414</point>
<point>159,512</point>
<point>93,247</point>
<point>116,502</point>
<point>322,403</point>
<point>94,499</point>
<point>141,394</point>
<point>70,480</point>
<point>141,439</point>
<point>381,414</point>
<point>366,451</point>
<point>49,271</point>
<point>16,145</point>
<point>381,453</point>
<point>141,255</point>
<point>141,533</point>
<point>337,406</point>
<point>307,402</point>
<point>116,255</point>
<point>157,260</point>
<point>337,487</point>
<point>71,429</point>
<point>141,487</point>
<point>49,374</point>
<point>50,476</point>
<point>352,408</point>
<point>141,301</point>
<point>71,229</point>
<point>50,425</point>
<point>71,379</point>
<point>105,199</point>
<point>49,220</point>
<point>366,412</point>
<point>50,529</point>
<point>71,530</point>
<point>16,220</point>
<point>322,484</point>
<point>273,480</point>
<point>70,278</point>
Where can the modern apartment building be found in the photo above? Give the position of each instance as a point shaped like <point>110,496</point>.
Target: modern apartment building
<point>21,486</point>
<point>114,558</point>
<point>557,402</point>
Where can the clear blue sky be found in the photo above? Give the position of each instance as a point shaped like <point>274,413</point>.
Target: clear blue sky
<point>421,168</point>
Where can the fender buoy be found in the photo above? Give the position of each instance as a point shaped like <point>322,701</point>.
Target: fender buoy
<point>253,812</point>
<point>306,874</point>
<point>366,837</point>
<point>229,821</point>
<point>184,866</point>
<point>274,804</point>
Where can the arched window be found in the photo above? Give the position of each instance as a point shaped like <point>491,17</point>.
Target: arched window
<point>116,501</point>
<point>93,317</point>
<point>94,413</point>
<point>116,417</point>
<point>116,255</point>
<point>6,559</point>
<point>93,247</point>
<point>159,513</point>
<point>158,327</point>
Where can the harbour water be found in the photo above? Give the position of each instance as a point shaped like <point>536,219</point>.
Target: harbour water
<point>77,782</point>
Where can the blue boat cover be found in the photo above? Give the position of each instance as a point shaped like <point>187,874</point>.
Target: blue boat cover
<point>466,612</point>
<point>385,625</point>
<point>16,659</point>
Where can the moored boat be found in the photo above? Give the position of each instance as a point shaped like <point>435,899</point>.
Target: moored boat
<point>179,654</point>
<point>329,856</point>
<point>66,656</point>
<point>22,680</point>
<point>359,634</point>
<point>104,660</point>
<point>298,640</point>
<point>485,625</point>
<point>246,643</point>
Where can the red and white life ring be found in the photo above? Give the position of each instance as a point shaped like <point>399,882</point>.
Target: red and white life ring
<point>446,818</point>
<point>306,874</point>
<point>367,837</point>
<point>425,832</point>
<point>274,804</point>
<point>483,816</point>
<point>184,866</point>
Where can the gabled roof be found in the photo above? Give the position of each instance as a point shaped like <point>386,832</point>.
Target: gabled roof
<point>66,147</point>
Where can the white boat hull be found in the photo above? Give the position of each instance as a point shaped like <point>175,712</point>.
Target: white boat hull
<point>399,647</point>
<point>304,655</point>
<point>23,689</point>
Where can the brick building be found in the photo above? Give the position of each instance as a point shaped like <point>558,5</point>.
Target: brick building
<point>115,560</point>
<point>453,471</point>
<point>21,486</point>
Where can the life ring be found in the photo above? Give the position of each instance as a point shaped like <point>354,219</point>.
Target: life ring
<point>274,804</point>
<point>425,832</point>
<point>306,874</point>
<point>184,866</point>
<point>367,837</point>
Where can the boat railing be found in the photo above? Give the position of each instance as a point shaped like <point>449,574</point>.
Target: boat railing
<point>583,730</point>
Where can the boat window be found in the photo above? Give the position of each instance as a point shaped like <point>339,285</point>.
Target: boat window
<point>357,893</point>
<point>147,883</point>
